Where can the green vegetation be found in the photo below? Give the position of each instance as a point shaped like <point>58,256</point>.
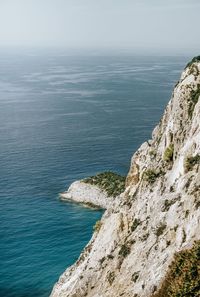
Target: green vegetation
<point>167,204</point>
<point>112,183</point>
<point>135,224</point>
<point>111,277</point>
<point>169,153</point>
<point>194,70</point>
<point>102,260</point>
<point>152,153</point>
<point>124,250</point>
<point>194,96</point>
<point>160,229</point>
<point>135,276</point>
<point>190,162</point>
<point>110,256</point>
<point>183,276</point>
<point>187,213</point>
<point>144,237</point>
<point>97,226</point>
<point>150,175</point>
<point>194,60</point>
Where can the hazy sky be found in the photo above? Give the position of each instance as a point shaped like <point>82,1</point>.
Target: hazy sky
<point>139,24</point>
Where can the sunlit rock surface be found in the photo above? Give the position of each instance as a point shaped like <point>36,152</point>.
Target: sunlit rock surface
<point>156,216</point>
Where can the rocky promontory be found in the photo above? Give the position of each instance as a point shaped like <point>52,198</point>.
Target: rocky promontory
<point>100,190</point>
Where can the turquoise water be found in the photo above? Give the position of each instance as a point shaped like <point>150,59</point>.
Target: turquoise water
<point>63,118</point>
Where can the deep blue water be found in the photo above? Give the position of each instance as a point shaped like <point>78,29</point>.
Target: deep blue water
<point>63,118</point>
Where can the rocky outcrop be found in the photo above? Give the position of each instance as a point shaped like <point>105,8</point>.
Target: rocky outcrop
<point>102,190</point>
<point>157,215</point>
<point>90,195</point>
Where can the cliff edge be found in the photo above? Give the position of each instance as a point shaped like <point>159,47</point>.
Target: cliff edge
<point>157,216</point>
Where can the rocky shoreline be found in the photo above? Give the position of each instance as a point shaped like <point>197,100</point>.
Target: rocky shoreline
<point>88,195</point>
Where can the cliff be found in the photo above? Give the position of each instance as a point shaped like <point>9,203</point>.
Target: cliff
<point>156,217</point>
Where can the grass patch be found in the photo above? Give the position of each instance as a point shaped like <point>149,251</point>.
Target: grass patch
<point>169,153</point>
<point>183,276</point>
<point>112,183</point>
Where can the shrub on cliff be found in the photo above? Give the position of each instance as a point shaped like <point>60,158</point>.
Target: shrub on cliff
<point>168,154</point>
<point>150,175</point>
<point>190,162</point>
<point>135,224</point>
<point>110,182</point>
<point>183,277</point>
<point>194,60</point>
<point>97,226</point>
<point>124,250</point>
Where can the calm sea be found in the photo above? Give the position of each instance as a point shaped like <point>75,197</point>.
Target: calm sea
<point>63,118</point>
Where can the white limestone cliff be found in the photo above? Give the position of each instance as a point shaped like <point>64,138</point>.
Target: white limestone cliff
<point>88,194</point>
<point>156,216</point>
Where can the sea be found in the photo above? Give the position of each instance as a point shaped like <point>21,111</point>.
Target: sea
<point>66,116</point>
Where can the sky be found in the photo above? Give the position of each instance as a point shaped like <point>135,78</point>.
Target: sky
<point>139,25</point>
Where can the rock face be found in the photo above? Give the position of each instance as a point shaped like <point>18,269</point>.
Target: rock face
<point>82,192</point>
<point>156,216</point>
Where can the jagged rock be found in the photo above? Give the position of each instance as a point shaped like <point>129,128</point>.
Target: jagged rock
<point>156,216</point>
